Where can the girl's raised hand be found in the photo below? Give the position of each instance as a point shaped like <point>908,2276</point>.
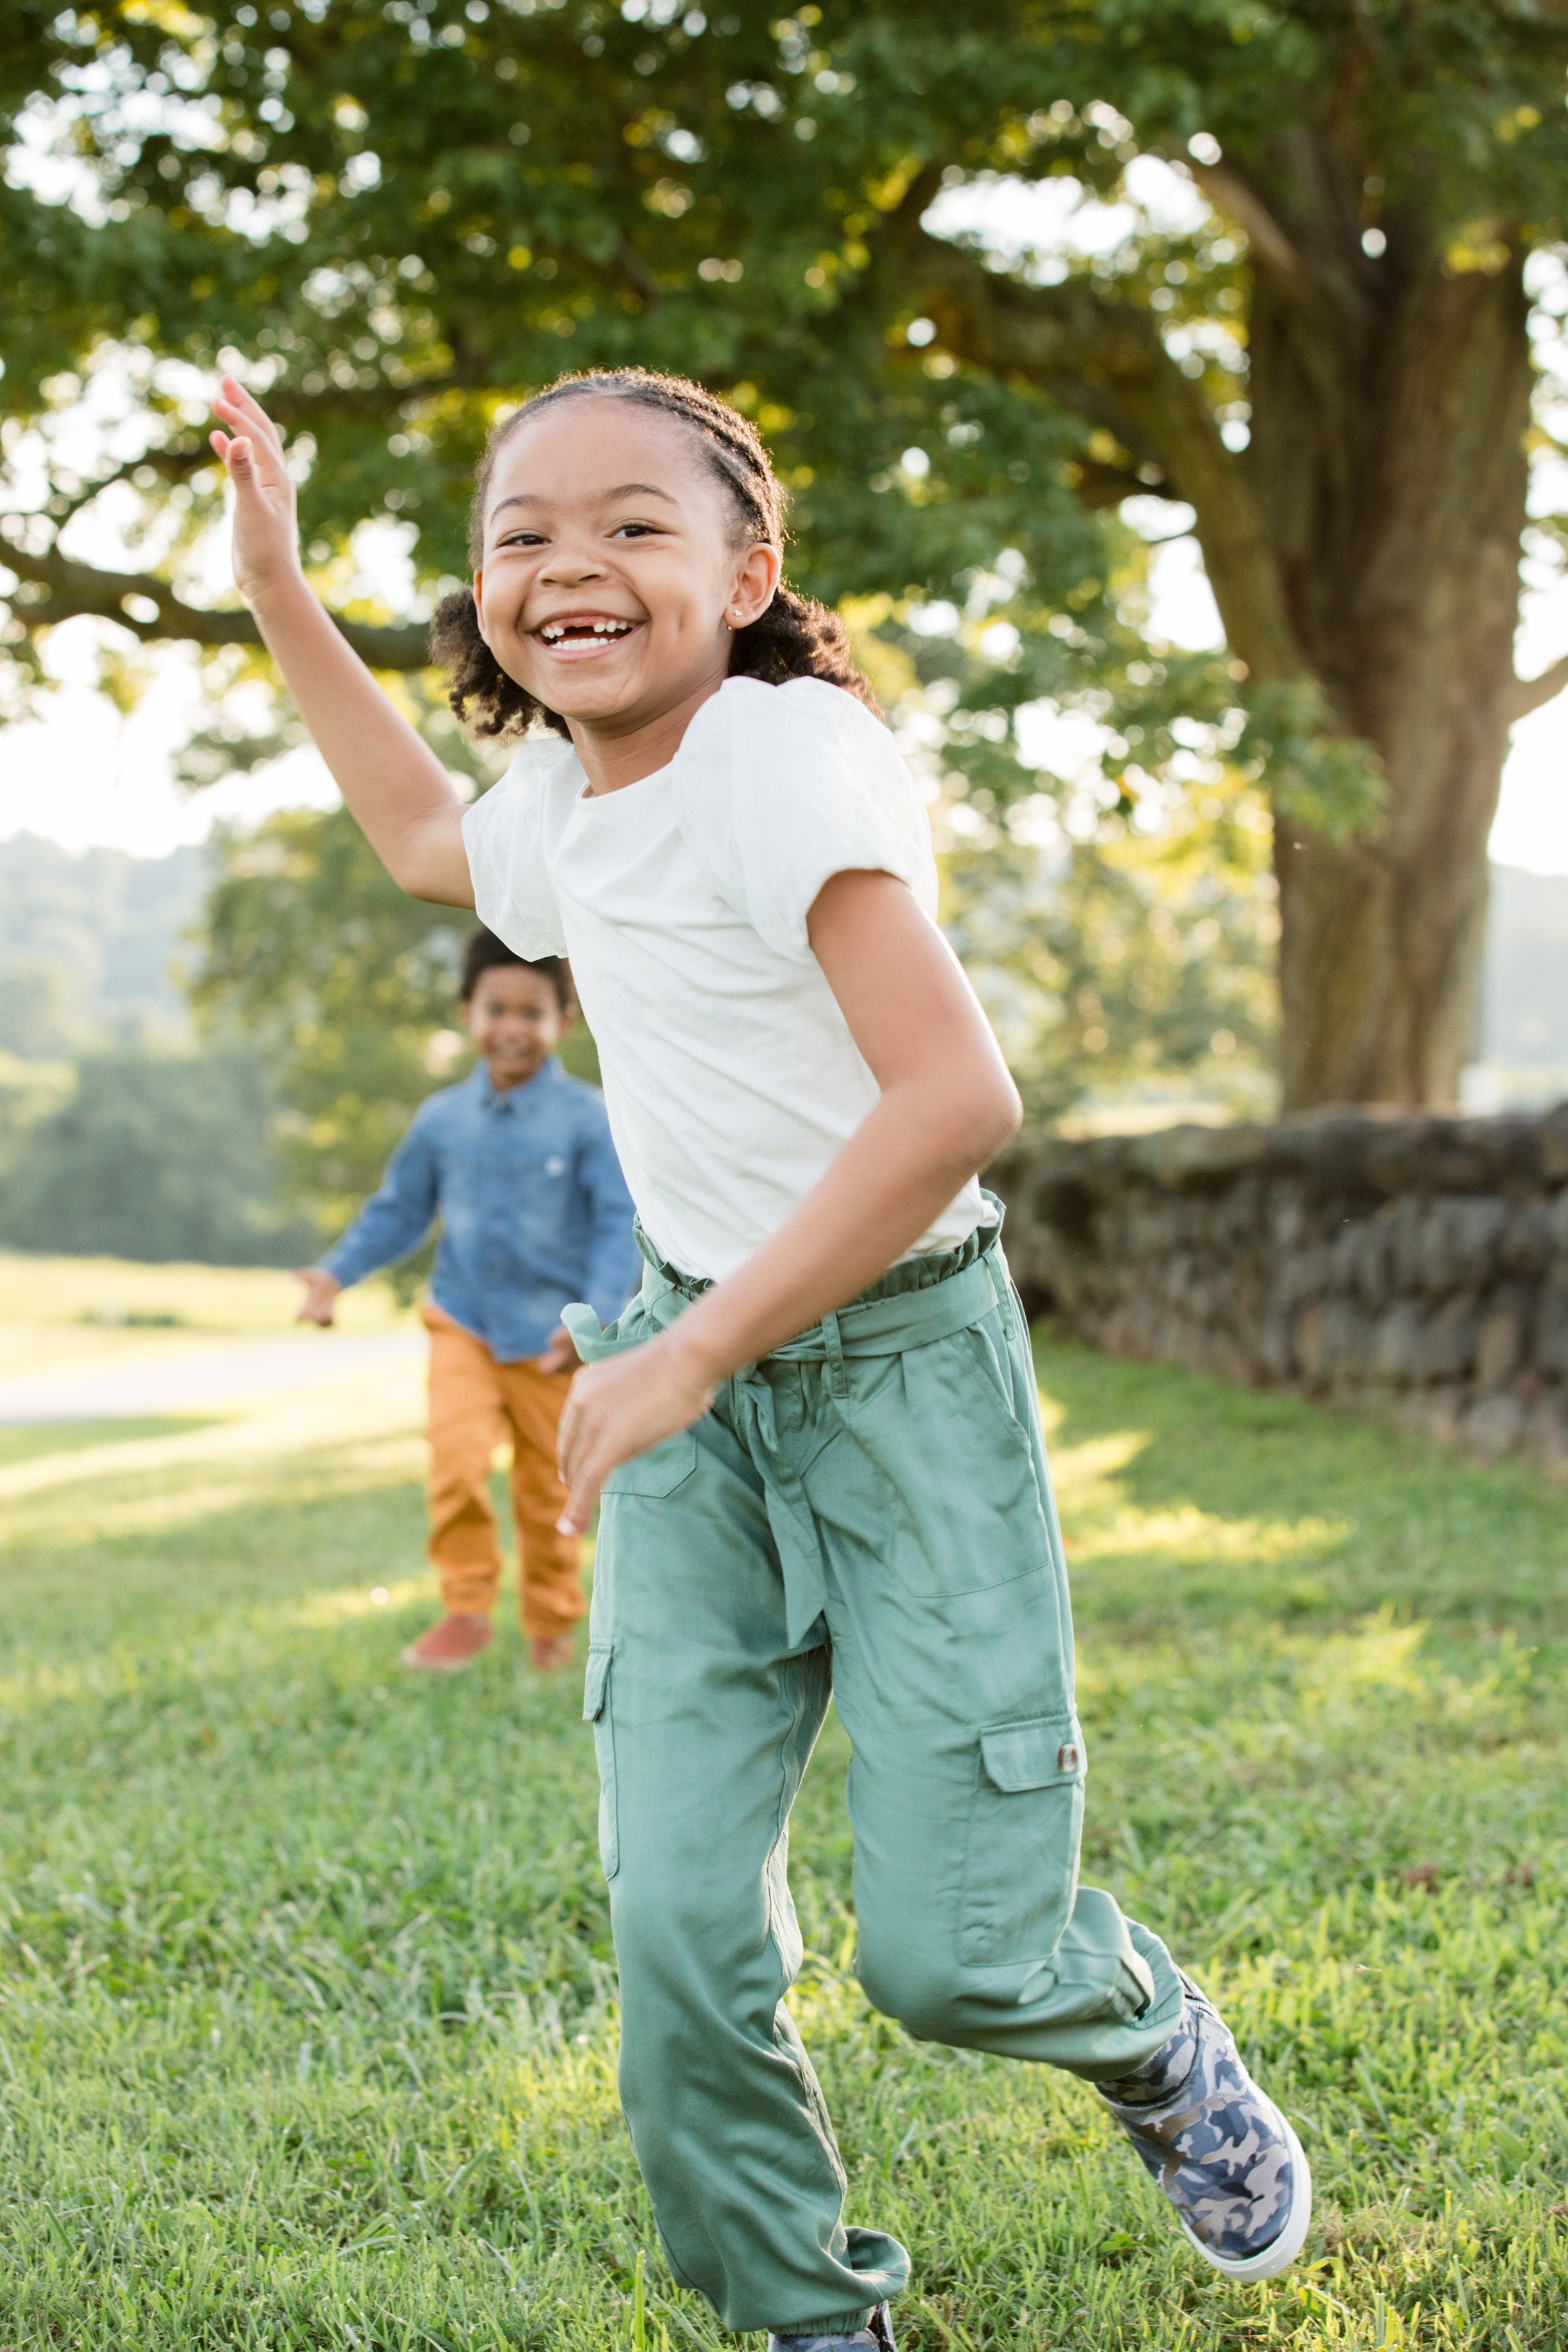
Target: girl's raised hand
<point>265,534</point>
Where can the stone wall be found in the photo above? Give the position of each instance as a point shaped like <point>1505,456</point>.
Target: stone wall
<point>1403,1263</point>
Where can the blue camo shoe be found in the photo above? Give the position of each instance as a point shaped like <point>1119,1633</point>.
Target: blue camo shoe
<point>1222,2153</point>
<point>877,2337</point>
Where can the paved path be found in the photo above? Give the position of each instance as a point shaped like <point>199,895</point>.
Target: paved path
<point>222,1373</point>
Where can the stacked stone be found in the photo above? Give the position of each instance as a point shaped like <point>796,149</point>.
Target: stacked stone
<point>1397,1261</point>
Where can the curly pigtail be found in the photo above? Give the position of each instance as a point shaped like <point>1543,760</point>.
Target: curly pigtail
<point>798,637</point>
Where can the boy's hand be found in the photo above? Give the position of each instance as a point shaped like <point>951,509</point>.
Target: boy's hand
<point>559,1353</point>
<point>619,1407</point>
<point>320,1298</point>
<point>266,533</point>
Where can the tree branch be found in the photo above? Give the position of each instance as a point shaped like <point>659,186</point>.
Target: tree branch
<point>1530,693</point>
<point>1101,483</point>
<point>74,589</point>
<point>1104,359</point>
<point>638,275</point>
<point>1229,193</point>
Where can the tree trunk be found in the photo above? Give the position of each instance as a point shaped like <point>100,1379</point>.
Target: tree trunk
<point>1366,543</point>
<point>1389,412</point>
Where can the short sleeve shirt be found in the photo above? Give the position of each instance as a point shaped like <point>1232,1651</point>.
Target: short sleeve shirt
<point>730,1077</point>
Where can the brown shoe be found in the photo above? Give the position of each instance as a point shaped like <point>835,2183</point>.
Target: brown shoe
<point>450,1645</point>
<point>549,1653</point>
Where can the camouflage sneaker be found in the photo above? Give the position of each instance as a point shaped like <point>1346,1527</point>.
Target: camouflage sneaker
<point>1223,2154</point>
<point>876,2336</point>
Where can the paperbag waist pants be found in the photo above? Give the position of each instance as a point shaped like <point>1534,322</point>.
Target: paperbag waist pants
<point>867,1513</point>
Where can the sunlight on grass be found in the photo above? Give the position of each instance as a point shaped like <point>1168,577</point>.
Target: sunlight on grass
<point>1194,1536</point>
<point>53,1441</point>
<point>1091,1499</point>
<point>337,1434</point>
<point>324,1610</point>
<point>1378,1655</point>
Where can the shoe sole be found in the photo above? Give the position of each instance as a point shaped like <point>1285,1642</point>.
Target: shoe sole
<point>1282,2250</point>
<point>437,1666</point>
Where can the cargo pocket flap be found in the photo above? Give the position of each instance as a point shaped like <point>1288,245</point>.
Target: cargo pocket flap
<point>595,1684</point>
<point>1037,1755</point>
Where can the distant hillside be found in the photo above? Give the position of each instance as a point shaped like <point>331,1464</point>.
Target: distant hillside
<point>1525,1009</point>
<point>87,941</point>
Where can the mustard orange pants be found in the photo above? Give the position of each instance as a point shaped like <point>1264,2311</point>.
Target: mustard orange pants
<point>477,1404</point>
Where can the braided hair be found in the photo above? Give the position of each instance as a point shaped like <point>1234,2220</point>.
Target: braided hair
<point>795,638</point>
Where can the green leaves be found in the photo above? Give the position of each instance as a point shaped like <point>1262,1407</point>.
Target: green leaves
<point>1314,774</point>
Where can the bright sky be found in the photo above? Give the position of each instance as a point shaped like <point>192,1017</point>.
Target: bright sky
<point>84,777</point>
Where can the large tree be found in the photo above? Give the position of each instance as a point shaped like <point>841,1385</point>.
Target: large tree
<point>406,212</point>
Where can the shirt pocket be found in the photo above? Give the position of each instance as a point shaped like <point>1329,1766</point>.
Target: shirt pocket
<point>532,1181</point>
<point>596,1711</point>
<point>1020,1868</point>
<point>659,1471</point>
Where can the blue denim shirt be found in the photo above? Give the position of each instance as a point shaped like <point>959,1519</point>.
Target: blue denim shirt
<point>534,1210</point>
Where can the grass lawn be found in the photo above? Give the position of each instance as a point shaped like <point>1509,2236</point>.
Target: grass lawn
<point>92,1314</point>
<point>307,2009</point>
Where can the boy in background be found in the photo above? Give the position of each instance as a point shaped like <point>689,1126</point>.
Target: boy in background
<point>516,1162</point>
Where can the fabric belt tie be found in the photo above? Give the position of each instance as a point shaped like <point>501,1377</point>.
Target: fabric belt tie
<point>872,1326</point>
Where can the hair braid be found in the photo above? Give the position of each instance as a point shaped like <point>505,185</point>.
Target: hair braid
<point>795,638</point>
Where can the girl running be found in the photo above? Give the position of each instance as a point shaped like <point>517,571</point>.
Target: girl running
<point>815,1437</point>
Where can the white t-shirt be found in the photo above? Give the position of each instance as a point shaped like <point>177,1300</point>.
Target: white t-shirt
<point>730,1074</point>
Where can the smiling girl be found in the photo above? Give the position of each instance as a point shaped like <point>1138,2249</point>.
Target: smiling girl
<point>816,1434</point>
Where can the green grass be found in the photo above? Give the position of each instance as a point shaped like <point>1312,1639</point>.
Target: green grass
<point>47,1440</point>
<point>307,2009</point>
<point>59,1311</point>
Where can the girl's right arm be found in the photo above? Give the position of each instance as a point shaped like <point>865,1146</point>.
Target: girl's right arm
<point>397,791</point>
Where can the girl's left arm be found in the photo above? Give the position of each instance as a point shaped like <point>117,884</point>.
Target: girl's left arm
<point>948,1105</point>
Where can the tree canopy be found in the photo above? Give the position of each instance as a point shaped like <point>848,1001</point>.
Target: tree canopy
<point>1294,301</point>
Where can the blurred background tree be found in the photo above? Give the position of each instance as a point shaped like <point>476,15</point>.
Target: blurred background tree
<point>157,1156</point>
<point>358,1007</point>
<point>1136,973</point>
<point>1010,295</point>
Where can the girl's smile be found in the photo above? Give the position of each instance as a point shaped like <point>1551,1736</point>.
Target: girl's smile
<point>583,636</point>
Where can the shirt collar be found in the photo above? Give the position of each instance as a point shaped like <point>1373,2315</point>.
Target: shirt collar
<point>490,1095</point>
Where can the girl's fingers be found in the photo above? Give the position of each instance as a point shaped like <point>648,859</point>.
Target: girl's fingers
<point>234,390</point>
<point>565,1440</point>
<point>250,410</point>
<point>580,1502</point>
<point>246,437</point>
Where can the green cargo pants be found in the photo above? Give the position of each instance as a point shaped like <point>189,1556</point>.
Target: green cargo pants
<point>867,1513</point>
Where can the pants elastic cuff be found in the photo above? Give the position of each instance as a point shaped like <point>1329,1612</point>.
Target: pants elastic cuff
<point>469,1599</point>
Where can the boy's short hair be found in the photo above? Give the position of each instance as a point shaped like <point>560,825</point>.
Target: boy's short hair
<point>485,951</point>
